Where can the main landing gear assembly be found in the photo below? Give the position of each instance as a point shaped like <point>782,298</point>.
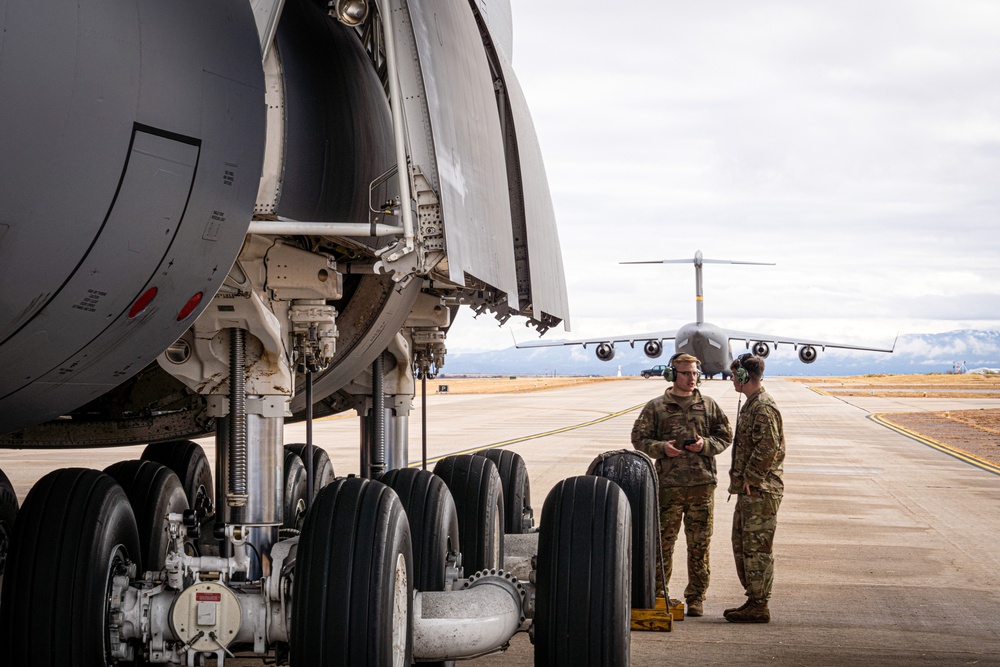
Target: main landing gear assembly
<point>153,561</point>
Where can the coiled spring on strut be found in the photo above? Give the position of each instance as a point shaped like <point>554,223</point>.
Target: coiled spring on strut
<point>378,416</point>
<point>237,495</point>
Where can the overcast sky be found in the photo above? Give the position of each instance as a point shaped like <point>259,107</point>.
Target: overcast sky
<point>856,144</point>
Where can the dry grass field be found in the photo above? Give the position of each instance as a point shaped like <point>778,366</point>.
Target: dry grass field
<point>932,385</point>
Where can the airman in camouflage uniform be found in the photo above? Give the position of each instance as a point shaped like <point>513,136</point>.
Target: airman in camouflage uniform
<point>758,455</point>
<point>683,431</point>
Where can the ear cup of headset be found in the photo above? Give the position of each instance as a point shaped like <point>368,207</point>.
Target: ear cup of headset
<point>670,373</point>
<point>742,374</point>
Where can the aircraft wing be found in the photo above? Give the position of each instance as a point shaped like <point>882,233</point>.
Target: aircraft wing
<point>751,337</point>
<point>631,339</point>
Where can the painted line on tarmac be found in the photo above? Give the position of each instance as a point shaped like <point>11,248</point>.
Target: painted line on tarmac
<point>512,441</point>
<point>934,444</point>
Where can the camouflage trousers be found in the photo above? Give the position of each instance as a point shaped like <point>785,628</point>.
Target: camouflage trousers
<point>754,522</point>
<point>695,505</point>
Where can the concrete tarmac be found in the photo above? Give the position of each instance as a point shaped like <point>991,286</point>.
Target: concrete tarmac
<point>886,549</point>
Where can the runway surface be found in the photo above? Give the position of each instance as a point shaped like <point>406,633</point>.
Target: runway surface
<point>887,551</point>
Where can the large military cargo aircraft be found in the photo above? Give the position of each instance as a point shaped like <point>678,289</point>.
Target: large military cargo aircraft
<point>708,342</point>
<point>218,216</point>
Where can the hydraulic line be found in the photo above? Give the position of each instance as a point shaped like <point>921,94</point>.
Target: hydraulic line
<point>237,495</point>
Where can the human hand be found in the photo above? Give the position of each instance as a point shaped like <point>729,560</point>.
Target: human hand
<point>746,488</point>
<point>696,446</point>
<point>670,450</point>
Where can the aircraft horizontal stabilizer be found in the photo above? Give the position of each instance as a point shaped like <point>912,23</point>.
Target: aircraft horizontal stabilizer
<point>697,261</point>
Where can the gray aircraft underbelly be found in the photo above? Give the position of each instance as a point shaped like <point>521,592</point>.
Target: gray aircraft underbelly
<point>132,145</point>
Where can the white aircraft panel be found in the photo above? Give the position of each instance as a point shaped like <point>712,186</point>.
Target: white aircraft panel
<point>468,146</point>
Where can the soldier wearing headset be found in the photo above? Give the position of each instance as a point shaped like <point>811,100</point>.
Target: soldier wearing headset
<point>683,431</point>
<point>758,454</point>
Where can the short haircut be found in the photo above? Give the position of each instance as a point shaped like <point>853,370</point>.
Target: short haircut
<point>753,365</point>
<point>685,359</point>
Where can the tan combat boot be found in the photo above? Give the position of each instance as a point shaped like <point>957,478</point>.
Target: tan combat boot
<point>743,606</point>
<point>694,607</point>
<point>755,612</point>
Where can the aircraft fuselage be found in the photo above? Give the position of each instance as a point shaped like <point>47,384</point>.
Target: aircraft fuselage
<point>709,343</point>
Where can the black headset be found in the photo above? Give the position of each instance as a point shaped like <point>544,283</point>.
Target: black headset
<point>670,373</point>
<point>742,374</point>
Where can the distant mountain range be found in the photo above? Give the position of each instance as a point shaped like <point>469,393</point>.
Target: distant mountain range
<point>915,353</point>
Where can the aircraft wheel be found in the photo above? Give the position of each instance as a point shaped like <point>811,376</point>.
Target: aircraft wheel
<point>474,483</point>
<point>518,515</point>
<point>75,532</point>
<point>295,491</point>
<point>322,466</point>
<point>353,579</point>
<point>433,520</point>
<point>633,472</point>
<point>188,460</point>
<point>153,491</point>
<point>582,612</point>
<point>8,511</point>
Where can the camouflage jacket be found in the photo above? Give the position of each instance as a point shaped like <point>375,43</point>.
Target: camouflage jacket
<point>759,447</point>
<point>664,419</point>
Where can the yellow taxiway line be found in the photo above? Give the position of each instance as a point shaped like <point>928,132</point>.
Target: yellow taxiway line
<point>534,436</point>
<point>940,446</point>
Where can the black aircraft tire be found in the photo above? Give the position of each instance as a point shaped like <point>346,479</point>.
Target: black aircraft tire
<point>634,474</point>
<point>153,491</point>
<point>294,503</point>
<point>75,530</point>
<point>188,460</point>
<point>8,512</point>
<point>474,483</point>
<point>433,519</point>
<point>582,614</point>
<point>518,515</point>
<point>322,465</point>
<point>353,579</point>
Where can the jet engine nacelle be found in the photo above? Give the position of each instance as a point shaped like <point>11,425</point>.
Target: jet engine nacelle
<point>807,354</point>
<point>606,351</point>
<point>653,349</point>
<point>762,349</point>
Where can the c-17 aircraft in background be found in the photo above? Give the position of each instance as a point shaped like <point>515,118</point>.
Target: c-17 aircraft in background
<point>708,342</point>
